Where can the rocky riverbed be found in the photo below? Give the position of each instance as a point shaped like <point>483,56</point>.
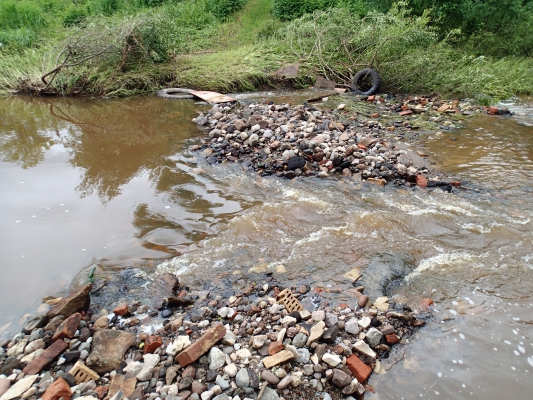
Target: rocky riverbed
<point>260,343</point>
<point>357,138</point>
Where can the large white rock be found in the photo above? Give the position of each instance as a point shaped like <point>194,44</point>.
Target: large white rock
<point>18,389</point>
<point>178,345</point>
<point>331,359</point>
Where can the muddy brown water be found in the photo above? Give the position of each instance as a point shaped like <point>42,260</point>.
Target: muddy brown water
<point>110,183</point>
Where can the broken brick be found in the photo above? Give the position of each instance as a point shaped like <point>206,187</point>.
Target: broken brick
<point>152,343</point>
<point>359,369</point>
<point>45,358</point>
<point>405,113</point>
<point>421,181</point>
<point>68,327</point>
<point>201,346</point>
<point>58,389</point>
<point>392,338</point>
<point>275,347</point>
<point>121,310</point>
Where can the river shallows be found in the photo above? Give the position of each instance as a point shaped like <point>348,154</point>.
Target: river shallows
<point>110,183</point>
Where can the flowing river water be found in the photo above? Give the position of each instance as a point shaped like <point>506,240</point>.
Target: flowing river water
<point>111,184</point>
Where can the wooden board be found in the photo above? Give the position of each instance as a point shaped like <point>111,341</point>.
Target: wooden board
<point>212,97</point>
<point>321,95</point>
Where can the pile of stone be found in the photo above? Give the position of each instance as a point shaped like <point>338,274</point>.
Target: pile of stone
<point>289,141</point>
<point>260,344</point>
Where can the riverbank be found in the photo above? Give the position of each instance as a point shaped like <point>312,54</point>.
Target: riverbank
<point>258,343</point>
<point>184,45</point>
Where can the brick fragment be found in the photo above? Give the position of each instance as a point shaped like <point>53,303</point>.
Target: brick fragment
<point>359,369</point>
<point>152,343</point>
<point>201,346</point>
<point>405,113</point>
<point>421,181</point>
<point>275,347</point>
<point>101,391</point>
<point>371,98</point>
<point>45,358</point>
<point>121,310</point>
<point>58,389</point>
<point>278,358</point>
<point>68,327</point>
<point>392,338</point>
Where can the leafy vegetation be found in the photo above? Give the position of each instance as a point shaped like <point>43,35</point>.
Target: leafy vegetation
<point>121,47</point>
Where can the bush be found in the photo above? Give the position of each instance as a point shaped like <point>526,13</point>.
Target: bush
<point>224,8</point>
<point>74,16</point>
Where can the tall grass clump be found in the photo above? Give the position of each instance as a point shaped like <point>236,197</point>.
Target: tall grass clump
<point>406,50</point>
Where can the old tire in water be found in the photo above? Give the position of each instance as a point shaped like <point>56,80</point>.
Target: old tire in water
<point>361,82</point>
<point>175,93</point>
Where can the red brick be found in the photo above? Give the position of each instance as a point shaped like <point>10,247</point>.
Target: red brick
<point>426,302</point>
<point>375,115</point>
<point>121,310</point>
<point>360,146</point>
<point>405,113</point>
<point>201,346</point>
<point>275,347</point>
<point>45,358</point>
<point>68,327</point>
<point>405,107</point>
<point>371,98</point>
<point>359,369</point>
<point>152,343</point>
<point>101,391</point>
<point>455,183</point>
<point>421,181</point>
<point>59,388</point>
<point>392,338</point>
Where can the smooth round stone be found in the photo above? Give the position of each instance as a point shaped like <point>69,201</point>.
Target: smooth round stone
<point>167,312</point>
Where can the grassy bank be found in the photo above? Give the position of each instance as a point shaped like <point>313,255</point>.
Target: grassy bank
<point>231,45</point>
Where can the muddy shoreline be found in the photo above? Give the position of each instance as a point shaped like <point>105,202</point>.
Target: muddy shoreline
<point>265,344</point>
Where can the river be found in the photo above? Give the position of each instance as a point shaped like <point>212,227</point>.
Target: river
<point>111,184</point>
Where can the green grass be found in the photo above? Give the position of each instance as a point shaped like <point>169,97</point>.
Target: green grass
<point>186,44</point>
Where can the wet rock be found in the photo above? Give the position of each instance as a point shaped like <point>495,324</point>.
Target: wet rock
<point>37,321</point>
<point>163,286</point>
<point>373,337</point>
<point>330,334</point>
<point>76,301</point>
<point>340,378</point>
<point>109,347</point>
